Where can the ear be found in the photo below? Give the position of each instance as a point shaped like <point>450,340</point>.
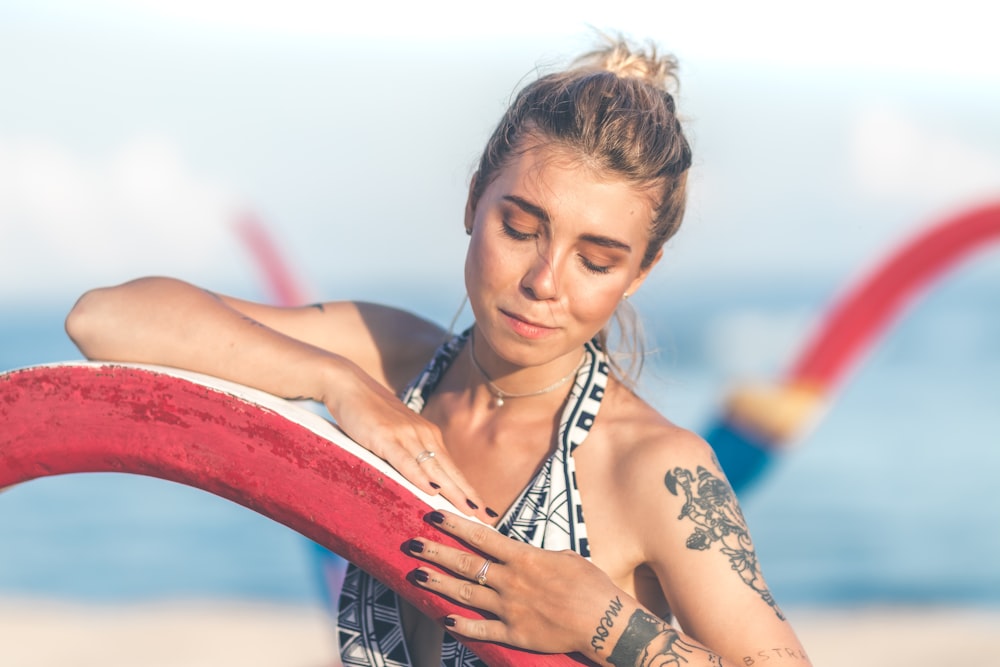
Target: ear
<point>470,205</point>
<point>643,274</point>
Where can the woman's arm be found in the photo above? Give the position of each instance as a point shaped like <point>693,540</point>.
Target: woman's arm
<point>697,542</point>
<point>351,357</point>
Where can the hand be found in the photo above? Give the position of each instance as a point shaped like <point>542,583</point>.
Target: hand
<point>377,420</point>
<point>546,601</point>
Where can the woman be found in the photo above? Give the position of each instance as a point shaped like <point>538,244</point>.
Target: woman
<point>621,520</point>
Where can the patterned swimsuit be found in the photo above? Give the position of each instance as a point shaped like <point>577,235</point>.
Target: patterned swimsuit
<point>548,514</point>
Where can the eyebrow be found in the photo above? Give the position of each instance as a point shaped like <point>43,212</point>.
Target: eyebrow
<point>529,208</point>
<point>542,215</point>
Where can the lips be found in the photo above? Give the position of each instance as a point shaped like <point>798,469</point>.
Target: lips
<point>526,327</point>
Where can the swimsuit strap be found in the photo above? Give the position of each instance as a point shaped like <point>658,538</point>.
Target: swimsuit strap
<point>419,390</point>
<point>548,513</point>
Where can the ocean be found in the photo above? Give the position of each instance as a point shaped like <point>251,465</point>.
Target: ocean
<point>889,500</point>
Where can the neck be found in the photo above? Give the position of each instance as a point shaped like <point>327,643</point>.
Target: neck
<point>501,393</point>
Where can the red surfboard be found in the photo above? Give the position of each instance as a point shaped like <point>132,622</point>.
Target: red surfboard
<point>255,449</point>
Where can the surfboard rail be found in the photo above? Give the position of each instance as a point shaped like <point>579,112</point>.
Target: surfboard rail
<point>260,451</point>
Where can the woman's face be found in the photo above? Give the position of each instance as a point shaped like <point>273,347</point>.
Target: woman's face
<point>554,248</point>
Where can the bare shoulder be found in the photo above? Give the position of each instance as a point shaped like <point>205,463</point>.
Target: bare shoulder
<point>648,443</point>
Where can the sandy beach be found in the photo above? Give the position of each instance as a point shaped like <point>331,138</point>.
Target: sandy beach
<point>221,634</point>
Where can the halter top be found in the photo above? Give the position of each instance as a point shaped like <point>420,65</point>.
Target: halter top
<point>547,514</point>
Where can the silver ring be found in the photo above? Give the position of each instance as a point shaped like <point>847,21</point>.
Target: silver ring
<point>481,575</point>
<point>424,455</point>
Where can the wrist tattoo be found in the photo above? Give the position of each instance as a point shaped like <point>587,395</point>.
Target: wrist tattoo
<point>710,503</point>
<point>649,642</point>
<point>607,622</point>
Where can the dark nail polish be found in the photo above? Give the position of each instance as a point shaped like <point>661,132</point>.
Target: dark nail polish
<point>435,486</point>
<point>435,517</point>
<point>492,512</point>
<point>416,546</point>
<point>421,576</point>
<point>471,504</point>
<point>449,621</point>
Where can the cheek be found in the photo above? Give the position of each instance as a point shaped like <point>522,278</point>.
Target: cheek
<point>595,303</point>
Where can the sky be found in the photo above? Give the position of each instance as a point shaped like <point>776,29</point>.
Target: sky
<point>134,134</point>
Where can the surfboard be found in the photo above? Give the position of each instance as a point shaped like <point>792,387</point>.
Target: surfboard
<point>260,451</point>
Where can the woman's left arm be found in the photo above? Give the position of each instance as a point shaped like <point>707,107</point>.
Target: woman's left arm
<point>697,542</point>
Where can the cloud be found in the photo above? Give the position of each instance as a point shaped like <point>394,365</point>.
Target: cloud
<point>68,221</point>
<point>896,157</point>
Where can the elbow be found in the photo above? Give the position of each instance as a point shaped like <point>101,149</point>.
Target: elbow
<point>83,322</point>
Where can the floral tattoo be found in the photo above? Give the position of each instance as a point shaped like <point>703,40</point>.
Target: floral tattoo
<point>711,504</point>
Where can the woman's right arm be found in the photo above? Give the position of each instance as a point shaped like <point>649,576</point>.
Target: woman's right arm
<point>348,356</point>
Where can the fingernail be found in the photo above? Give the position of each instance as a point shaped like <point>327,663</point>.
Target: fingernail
<point>421,576</point>
<point>471,504</point>
<point>416,546</point>
<point>449,621</point>
<point>435,517</point>
<point>435,486</point>
<point>492,512</point>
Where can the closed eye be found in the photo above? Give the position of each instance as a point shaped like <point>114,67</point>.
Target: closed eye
<point>594,267</point>
<point>516,234</point>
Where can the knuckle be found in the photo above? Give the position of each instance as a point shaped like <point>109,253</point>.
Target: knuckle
<point>466,591</point>
<point>466,563</point>
<point>479,535</point>
<point>479,630</point>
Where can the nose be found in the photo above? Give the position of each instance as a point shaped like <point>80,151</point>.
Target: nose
<point>539,281</point>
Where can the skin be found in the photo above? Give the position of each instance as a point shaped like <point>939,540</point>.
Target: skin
<point>554,246</point>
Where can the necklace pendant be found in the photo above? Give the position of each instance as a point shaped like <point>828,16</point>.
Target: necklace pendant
<point>498,402</point>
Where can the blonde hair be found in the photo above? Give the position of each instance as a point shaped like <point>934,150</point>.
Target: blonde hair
<point>614,107</point>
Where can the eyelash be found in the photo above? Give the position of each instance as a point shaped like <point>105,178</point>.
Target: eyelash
<point>514,234</point>
<point>587,264</point>
<point>594,268</point>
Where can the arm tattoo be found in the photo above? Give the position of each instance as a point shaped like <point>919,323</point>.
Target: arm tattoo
<point>649,642</point>
<point>774,654</point>
<point>711,505</point>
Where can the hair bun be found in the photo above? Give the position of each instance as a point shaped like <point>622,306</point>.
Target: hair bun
<point>631,61</point>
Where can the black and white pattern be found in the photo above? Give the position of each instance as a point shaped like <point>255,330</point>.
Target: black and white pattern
<point>548,514</point>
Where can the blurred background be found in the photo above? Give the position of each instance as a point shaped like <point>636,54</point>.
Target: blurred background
<point>134,136</point>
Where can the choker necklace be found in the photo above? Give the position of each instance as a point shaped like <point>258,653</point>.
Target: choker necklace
<point>499,395</point>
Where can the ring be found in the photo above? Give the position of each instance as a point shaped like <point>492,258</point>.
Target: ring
<point>481,575</point>
<point>424,455</point>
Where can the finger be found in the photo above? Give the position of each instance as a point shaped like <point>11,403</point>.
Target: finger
<point>476,535</point>
<point>478,628</point>
<point>457,489</point>
<point>431,469</point>
<point>464,592</point>
<point>427,459</point>
<point>465,565</point>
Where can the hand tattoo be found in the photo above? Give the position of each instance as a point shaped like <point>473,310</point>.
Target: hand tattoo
<point>711,504</point>
<point>649,642</point>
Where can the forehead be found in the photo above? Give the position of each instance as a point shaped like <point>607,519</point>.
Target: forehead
<point>554,176</point>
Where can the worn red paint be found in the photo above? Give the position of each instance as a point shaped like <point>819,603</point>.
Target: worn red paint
<point>112,418</point>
